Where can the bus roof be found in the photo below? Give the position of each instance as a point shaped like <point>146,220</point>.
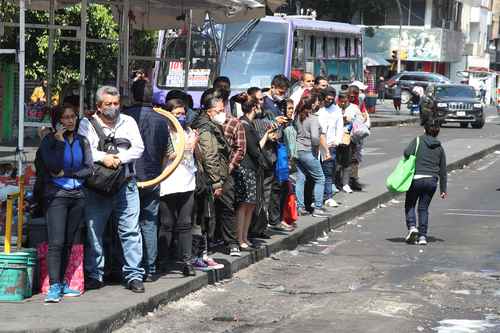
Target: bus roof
<point>314,25</point>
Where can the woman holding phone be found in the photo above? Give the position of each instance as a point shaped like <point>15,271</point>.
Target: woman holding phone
<point>67,161</point>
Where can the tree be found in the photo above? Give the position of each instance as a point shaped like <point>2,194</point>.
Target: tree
<point>345,10</point>
<point>101,59</point>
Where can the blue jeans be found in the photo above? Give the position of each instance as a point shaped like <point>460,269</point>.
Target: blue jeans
<point>422,190</point>
<point>148,220</point>
<point>310,166</point>
<point>124,207</point>
<point>329,172</point>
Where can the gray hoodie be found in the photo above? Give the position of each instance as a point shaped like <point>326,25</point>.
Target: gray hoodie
<point>431,159</point>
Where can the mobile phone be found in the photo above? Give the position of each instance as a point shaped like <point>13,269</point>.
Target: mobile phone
<point>60,127</point>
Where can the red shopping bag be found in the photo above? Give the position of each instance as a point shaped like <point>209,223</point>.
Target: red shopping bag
<point>74,271</point>
<point>290,213</point>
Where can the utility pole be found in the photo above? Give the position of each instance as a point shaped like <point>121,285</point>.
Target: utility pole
<point>400,32</point>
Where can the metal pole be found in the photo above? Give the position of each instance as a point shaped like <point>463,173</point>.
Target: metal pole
<point>400,32</point>
<point>187,61</point>
<point>83,51</point>
<point>126,47</point>
<point>21,56</point>
<point>50,63</point>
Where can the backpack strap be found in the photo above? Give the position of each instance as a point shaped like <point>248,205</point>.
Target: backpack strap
<point>99,131</point>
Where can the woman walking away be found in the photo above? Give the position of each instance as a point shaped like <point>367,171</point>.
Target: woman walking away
<point>67,160</point>
<point>177,194</point>
<point>246,185</point>
<point>429,166</point>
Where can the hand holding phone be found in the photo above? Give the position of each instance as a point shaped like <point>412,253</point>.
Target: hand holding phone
<point>60,129</point>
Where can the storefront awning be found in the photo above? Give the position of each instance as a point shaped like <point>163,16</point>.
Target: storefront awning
<point>374,59</point>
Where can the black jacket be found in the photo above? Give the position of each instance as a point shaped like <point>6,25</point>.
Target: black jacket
<point>253,158</point>
<point>431,159</point>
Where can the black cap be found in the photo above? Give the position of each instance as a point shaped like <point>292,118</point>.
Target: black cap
<point>344,93</point>
<point>330,91</point>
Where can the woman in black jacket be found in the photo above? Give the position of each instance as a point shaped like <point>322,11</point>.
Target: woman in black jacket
<point>430,166</point>
<point>246,175</point>
<point>67,161</point>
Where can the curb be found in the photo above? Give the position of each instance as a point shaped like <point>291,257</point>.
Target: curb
<point>233,265</point>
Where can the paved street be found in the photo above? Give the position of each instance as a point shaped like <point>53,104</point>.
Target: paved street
<point>388,142</point>
<point>364,278</point>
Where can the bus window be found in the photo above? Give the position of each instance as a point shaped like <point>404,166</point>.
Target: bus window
<point>257,57</point>
<point>344,71</point>
<point>203,61</point>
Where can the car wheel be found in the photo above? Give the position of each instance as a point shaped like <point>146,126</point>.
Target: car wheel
<point>464,125</point>
<point>479,124</point>
<point>405,97</point>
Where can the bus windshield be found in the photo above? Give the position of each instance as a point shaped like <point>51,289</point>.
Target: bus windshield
<point>203,61</point>
<point>257,57</point>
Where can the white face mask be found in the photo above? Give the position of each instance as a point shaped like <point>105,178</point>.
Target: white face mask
<point>220,118</point>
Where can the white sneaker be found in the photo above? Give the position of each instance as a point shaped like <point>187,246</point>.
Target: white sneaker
<point>347,189</point>
<point>422,240</point>
<point>412,235</point>
<point>331,203</point>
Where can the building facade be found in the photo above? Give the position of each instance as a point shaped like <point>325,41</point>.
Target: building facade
<point>444,36</point>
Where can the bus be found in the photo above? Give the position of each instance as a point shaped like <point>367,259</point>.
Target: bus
<point>251,53</point>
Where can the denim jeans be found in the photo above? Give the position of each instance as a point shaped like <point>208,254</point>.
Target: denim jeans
<point>310,166</point>
<point>422,190</point>
<point>124,208</point>
<point>148,220</point>
<point>329,172</point>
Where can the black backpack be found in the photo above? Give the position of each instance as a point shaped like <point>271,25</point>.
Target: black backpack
<point>107,181</point>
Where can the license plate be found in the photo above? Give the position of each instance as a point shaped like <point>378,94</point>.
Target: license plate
<point>461,113</point>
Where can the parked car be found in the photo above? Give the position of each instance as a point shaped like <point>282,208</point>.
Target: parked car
<point>453,103</point>
<point>408,80</point>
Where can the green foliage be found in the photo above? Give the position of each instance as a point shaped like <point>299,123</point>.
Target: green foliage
<point>101,60</point>
<point>344,10</point>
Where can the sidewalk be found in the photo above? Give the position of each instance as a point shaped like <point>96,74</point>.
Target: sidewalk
<point>112,306</point>
<point>385,115</point>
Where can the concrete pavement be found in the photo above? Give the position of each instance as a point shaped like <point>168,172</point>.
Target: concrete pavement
<point>112,306</point>
<point>363,277</point>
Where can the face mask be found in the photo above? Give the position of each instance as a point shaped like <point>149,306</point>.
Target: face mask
<point>182,120</point>
<point>111,112</point>
<point>278,98</point>
<point>220,118</point>
<point>328,104</point>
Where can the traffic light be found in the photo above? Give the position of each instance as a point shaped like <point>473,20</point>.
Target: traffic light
<point>394,62</point>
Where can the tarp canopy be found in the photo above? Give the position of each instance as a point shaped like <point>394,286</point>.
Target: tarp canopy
<point>163,14</point>
<point>374,59</point>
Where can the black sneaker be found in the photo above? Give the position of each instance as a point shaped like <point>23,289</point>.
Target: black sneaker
<point>188,270</point>
<point>93,284</point>
<point>262,235</point>
<point>303,212</point>
<point>136,286</point>
<point>318,212</point>
<point>151,278</point>
<point>355,185</point>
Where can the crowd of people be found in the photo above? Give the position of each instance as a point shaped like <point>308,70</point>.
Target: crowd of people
<point>243,154</point>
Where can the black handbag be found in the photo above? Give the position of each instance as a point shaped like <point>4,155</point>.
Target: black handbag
<point>106,181</point>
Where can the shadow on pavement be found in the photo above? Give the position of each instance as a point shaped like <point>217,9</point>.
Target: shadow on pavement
<point>430,239</point>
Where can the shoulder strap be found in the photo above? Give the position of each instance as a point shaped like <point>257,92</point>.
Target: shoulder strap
<point>99,131</point>
<point>418,144</point>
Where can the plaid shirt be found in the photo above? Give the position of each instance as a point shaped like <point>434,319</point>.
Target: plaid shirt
<point>235,136</point>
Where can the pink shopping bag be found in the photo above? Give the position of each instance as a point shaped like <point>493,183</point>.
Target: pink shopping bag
<point>74,272</point>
